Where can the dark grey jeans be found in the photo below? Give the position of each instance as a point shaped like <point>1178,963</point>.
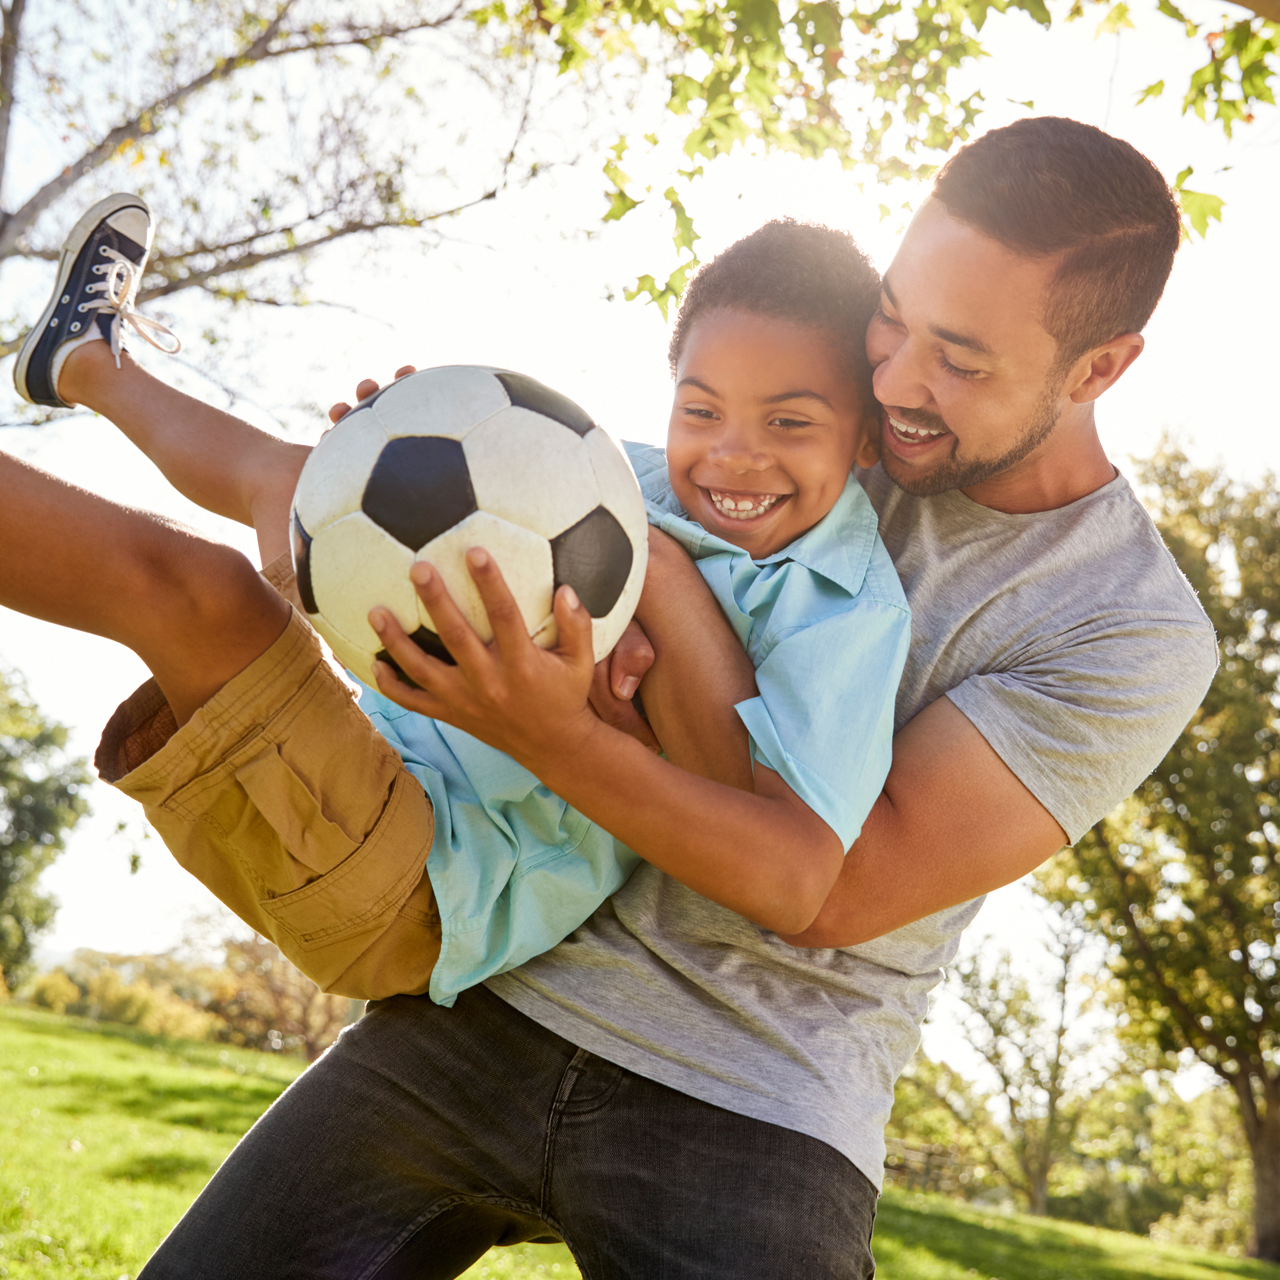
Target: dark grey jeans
<point>427,1135</point>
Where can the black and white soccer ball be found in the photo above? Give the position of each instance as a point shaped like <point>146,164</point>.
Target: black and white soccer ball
<point>458,457</point>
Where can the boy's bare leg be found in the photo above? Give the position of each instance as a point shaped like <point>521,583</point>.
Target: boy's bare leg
<point>196,612</point>
<point>218,461</point>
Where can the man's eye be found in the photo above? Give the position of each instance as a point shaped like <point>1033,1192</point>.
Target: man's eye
<point>956,369</point>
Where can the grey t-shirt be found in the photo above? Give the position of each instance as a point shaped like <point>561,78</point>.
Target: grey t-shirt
<point>1076,647</point>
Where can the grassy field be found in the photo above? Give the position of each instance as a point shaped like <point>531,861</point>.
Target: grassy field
<point>106,1135</point>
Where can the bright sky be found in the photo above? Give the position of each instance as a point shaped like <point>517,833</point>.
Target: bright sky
<point>522,288</point>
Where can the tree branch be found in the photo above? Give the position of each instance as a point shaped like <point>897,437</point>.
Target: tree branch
<point>246,261</point>
<point>145,121</point>
<point>8,71</point>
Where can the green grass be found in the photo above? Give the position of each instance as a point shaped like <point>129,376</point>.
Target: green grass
<point>921,1237</point>
<point>106,1135</point>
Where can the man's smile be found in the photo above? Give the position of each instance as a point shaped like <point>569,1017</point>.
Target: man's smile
<point>909,433</point>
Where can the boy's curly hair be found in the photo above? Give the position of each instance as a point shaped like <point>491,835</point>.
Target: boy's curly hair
<point>799,271</point>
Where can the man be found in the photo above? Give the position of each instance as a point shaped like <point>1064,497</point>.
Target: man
<point>673,1091</point>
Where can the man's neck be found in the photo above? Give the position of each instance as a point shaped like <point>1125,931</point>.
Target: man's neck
<point>1068,466</point>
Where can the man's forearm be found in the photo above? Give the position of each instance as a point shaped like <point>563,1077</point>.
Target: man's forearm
<point>952,823</point>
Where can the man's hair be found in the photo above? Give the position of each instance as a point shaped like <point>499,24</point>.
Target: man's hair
<point>1051,187</point>
<point>808,274</point>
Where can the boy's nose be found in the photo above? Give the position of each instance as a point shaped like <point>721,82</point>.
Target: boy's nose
<point>739,450</point>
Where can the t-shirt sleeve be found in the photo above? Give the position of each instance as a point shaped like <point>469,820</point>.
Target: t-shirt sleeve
<point>823,718</point>
<point>1083,724</point>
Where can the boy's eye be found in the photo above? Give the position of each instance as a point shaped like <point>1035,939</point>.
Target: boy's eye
<point>693,411</point>
<point>790,423</point>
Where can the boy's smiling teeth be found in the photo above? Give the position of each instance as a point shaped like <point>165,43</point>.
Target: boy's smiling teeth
<point>905,431</point>
<point>738,506</point>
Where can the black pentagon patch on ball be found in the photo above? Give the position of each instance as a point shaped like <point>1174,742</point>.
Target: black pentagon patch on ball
<point>528,393</point>
<point>594,558</point>
<point>418,489</point>
<point>428,642</point>
<point>301,543</point>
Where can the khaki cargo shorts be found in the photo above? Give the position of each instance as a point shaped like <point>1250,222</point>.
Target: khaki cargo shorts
<point>281,797</point>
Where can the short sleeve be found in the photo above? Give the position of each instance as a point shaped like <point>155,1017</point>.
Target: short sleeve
<point>823,719</point>
<point>1083,724</point>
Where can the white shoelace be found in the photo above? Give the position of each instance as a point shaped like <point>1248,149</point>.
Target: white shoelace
<point>119,289</point>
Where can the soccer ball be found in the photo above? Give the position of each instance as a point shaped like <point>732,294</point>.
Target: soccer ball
<point>458,457</point>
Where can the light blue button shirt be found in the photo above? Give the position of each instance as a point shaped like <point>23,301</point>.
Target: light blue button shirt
<point>826,623</point>
<point>515,869</point>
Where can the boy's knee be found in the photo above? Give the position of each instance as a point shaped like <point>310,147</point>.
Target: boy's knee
<point>200,586</point>
<point>204,613</point>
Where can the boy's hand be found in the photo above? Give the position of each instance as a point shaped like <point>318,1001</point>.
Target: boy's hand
<point>364,390</point>
<point>529,702</point>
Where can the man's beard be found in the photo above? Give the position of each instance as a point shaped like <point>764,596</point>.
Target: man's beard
<point>956,473</point>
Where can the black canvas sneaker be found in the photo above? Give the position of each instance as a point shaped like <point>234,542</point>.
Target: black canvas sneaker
<point>98,275</point>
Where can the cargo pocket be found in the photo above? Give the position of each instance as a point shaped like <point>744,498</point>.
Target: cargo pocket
<point>364,891</point>
<point>294,813</point>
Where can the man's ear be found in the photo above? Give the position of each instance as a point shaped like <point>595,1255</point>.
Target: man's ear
<point>1099,370</point>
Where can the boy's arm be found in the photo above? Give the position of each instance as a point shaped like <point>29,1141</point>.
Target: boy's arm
<point>694,653</point>
<point>763,853</point>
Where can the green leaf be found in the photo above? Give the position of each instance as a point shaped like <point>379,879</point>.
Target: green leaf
<point>1171,10</point>
<point>1151,91</point>
<point>685,236</point>
<point>1116,19</point>
<point>620,204</point>
<point>1198,207</point>
<point>663,295</point>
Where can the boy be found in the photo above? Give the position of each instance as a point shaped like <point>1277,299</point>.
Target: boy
<point>772,385</point>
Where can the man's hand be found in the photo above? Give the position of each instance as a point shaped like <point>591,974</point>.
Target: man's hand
<point>529,702</point>
<point>614,685</point>
<point>364,389</point>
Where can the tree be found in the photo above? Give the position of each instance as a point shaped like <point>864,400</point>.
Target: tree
<point>265,130</point>
<point>40,801</point>
<point>255,998</point>
<point>1043,1074</point>
<point>1183,881</point>
<point>940,1133</point>
<point>268,1004</point>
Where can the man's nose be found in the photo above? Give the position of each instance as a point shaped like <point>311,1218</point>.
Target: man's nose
<point>898,372</point>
